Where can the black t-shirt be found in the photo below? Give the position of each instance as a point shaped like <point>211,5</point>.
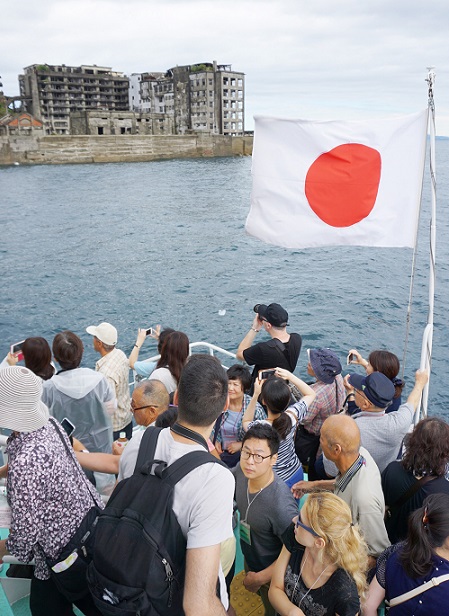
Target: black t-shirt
<point>396,481</point>
<point>337,596</point>
<point>274,354</point>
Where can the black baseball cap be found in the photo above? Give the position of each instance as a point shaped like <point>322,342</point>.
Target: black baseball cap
<point>273,313</point>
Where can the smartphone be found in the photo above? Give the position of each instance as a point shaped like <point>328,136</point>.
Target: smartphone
<point>150,331</point>
<point>68,426</point>
<point>265,374</point>
<point>16,349</point>
<point>351,358</point>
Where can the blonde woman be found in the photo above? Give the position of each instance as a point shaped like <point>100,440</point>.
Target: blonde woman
<point>322,566</point>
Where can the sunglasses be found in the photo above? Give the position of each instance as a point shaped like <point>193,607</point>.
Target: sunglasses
<point>307,528</point>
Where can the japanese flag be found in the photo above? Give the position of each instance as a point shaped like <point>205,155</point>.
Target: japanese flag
<point>333,183</point>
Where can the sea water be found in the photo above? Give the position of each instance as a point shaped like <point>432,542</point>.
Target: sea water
<point>138,244</point>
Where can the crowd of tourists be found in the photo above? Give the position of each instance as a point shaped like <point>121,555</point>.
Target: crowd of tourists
<point>130,502</point>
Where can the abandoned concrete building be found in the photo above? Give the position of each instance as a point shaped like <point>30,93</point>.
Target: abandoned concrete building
<point>52,93</point>
<point>207,97</point>
<point>92,100</point>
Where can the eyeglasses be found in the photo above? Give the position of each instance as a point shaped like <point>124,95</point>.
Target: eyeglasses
<point>307,528</point>
<point>258,459</point>
<point>138,408</point>
<point>359,391</point>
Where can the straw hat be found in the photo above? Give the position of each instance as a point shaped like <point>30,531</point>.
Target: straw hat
<point>21,407</point>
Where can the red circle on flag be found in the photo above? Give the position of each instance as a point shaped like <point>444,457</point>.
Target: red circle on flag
<point>342,184</point>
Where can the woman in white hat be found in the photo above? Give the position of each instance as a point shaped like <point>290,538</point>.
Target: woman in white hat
<point>47,491</point>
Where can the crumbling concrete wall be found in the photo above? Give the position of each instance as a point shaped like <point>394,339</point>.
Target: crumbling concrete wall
<point>60,149</point>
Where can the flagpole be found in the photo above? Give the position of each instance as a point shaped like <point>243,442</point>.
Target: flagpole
<point>426,349</point>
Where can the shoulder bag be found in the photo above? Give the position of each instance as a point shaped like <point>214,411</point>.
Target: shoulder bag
<point>418,591</point>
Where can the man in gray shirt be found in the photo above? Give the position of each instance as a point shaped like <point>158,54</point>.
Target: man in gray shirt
<point>266,508</point>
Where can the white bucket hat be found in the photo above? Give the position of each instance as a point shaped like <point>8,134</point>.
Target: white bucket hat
<point>21,407</point>
<point>104,332</point>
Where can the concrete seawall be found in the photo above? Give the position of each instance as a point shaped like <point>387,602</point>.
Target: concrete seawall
<point>64,149</point>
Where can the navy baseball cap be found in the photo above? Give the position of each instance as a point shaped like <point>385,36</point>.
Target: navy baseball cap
<point>376,386</point>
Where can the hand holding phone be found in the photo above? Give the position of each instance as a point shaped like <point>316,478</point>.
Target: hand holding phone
<point>266,374</point>
<point>16,349</point>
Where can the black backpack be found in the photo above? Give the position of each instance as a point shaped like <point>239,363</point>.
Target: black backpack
<point>138,564</point>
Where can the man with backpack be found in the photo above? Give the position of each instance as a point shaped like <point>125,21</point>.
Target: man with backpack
<point>200,500</point>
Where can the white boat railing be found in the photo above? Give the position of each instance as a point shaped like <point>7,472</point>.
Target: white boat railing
<point>204,347</point>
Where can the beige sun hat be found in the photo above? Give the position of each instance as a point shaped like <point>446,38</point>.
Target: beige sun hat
<point>104,332</point>
<point>21,407</point>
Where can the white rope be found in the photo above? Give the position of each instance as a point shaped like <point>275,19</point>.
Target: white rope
<point>426,349</point>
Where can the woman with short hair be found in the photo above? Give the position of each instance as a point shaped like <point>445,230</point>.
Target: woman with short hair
<point>403,569</point>
<point>82,395</point>
<point>228,431</point>
<point>321,569</point>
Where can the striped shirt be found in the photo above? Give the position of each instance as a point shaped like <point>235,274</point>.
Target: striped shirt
<point>288,463</point>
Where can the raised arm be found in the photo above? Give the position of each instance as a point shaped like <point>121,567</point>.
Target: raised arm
<point>134,356</point>
<point>308,394</point>
<point>248,416</point>
<point>358,358</point>
<point>249,338</point>
<point>421,378</point>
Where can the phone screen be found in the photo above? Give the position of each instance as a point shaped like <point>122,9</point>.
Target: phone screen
<point>149,331</point>
<point>265,374</point>
<point>68,426</point>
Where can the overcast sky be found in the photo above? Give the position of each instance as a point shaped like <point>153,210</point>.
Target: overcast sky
<point>311,59</point>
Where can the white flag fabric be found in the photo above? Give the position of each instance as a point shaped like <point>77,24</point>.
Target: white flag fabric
<point>340,182</point>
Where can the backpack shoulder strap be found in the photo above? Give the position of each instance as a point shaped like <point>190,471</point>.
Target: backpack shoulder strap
<point>147,448</point>
<point>294,349</point>
<point>187,463</point>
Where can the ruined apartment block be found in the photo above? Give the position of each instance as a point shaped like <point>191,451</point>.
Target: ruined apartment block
<point>207,97</point>
<point>52,93</point>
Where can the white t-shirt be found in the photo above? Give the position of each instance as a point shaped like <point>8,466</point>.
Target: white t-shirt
<point>202,500</point>
<point>166,377</point>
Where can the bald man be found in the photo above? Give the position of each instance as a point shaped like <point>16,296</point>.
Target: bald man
<point>357,483</point>
<point>149,400</point>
